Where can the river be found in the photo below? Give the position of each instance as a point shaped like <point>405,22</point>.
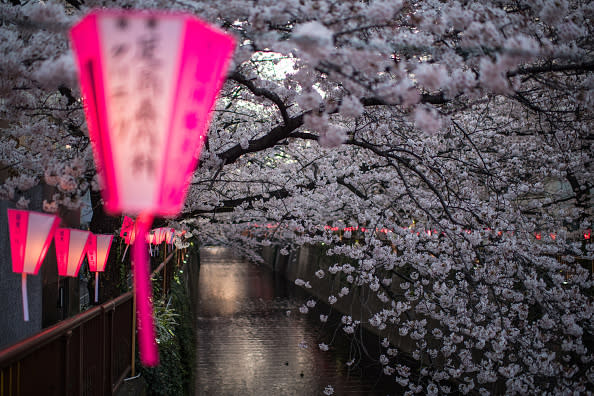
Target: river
<point>252,339</point>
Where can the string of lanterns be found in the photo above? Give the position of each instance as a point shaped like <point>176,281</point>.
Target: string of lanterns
<point>31,234</point>
<point>538,235</point>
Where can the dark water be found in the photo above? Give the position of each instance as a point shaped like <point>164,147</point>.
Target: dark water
<point>249,345</point>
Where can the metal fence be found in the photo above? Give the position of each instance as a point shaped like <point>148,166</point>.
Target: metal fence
<point>88,354</point>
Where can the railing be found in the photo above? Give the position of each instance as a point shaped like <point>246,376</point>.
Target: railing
<point>88,354</point>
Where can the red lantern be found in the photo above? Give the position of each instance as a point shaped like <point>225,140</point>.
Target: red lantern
<point>30,236</point>
<point>70,250</point>
<point>149,81</point>
<point>169,234</point>
<point>160,234</point>
<point>587,234</point>
<point>150,240</point>
<point>131,236</point>
<point>127,228</point>
<point>97,253</point>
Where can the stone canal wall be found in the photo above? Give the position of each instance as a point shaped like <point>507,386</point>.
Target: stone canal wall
<point>361,303</point>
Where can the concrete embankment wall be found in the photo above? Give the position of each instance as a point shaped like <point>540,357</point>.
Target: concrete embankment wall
<point>361,303</point>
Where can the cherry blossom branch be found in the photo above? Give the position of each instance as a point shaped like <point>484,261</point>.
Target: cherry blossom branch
<point>552,67</point>
<point>272,96</point>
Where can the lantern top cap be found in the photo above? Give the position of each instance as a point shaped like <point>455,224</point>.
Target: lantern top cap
<point>148,13</point>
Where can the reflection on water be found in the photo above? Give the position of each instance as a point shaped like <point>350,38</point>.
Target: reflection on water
<point>249,345</point>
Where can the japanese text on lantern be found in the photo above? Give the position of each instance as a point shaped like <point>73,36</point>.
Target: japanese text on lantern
<point>62,240</point>
<point>91,250</point>
<point>140,56</point>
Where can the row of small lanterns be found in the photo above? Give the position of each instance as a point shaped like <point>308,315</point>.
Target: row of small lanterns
<point>155,237</point>
<point>587,234</point>
<point>31,234</point>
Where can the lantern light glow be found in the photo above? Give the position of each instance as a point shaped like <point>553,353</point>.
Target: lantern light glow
<point>149,80</point>
<point>97,249</point>
<point>127,227</point>
<point>70,250</point>
<point>30,236</point>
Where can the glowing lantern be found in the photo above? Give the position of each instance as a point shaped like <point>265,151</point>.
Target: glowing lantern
<point>169,234</point>
<point>70,250</point>
<point>587,234</point>
<point>127,228</point>
<point>149,80</point>
<point>97,253</point>
<point>156,235</point>
<point>160,234</point>
<point>30,236</point>
<point>131,236</point>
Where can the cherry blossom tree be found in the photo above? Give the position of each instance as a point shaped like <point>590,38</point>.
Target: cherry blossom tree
<point>457,134</point>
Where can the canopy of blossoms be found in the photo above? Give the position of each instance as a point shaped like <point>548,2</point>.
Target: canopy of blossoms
<point>458,135</point>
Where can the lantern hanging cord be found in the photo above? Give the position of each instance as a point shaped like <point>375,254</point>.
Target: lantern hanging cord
<point>124,255</point>
<point>149,355</point>
<point>96,286</point>
<point>25,298</point>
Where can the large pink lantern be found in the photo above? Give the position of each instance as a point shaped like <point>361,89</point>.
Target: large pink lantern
<point>70,250</point>
<point>30,236</point>
<point>149,81</point>
<point>97,253</point>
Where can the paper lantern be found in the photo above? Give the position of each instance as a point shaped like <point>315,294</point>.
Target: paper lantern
<point>169,234</point>
<point>127,228</point>
<point>160,234</point>
<point>131,236</point>
<point>97,249</point>
<point>30,236</point>
<point>70,250</point>
<point>149,80</point>
<point>150,240</point>
<point>128,232</point>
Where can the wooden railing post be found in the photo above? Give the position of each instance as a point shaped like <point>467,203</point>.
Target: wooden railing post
<point>81,357</point>
<point>133,359</point>
<point>67,338</point>
<point>111,353</point>
<point>101,363</point>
